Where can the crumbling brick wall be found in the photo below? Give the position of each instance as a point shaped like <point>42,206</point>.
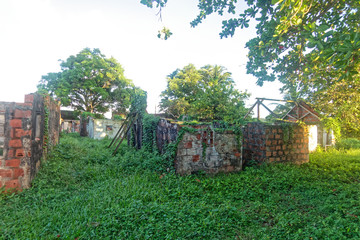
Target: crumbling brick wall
<point>275,143</point>
<point>29,130</point>
<point>208,151</point>
<point>166,132</point>
<point>201,149</point>
<point>205,149</point>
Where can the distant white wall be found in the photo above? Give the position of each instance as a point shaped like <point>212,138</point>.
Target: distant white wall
<point>100,128</point>
<point>313,138</point>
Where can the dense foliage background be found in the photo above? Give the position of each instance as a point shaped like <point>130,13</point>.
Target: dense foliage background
<point>207,93</point>
<point>312,47</point>
<point>89,82</point>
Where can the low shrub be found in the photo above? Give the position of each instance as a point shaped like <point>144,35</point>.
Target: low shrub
<point>348,143</point>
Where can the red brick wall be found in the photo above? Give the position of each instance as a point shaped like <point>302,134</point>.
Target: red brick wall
<point>23,149</point>
<point>275,143</point>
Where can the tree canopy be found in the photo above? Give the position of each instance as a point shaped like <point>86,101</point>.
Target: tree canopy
<point>207,93</point>
<point>312,47</point>
<point>89,82</point>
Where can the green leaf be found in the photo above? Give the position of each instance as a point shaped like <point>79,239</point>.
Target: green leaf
<point>323,28</point>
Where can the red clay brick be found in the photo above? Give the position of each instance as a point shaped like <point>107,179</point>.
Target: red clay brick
<point>6,173</point>
<point>196,158</point>
<point>29,98</point>
<point>188,145</point>
<point>277,136</point>
<point>15,143</point>
<point>18,172</point>
<point>22,114</point>
<point>268,154</point>
<point>19,153</point>
<point>198,136</point>
<point>12,163</point>
<point>12,184</point>
<point>12,133</point>
<point>16,123</point>
<point>11,153</point>
<point>20,132</point>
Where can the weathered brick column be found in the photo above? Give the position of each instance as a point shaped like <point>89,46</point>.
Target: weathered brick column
<point>24,139</point>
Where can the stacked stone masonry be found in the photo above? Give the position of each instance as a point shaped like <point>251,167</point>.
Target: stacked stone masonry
<point>201,150</point>
<point>208,151</point>
<point>22,128</point>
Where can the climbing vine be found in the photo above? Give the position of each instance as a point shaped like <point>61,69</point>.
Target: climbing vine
<point>288,132</point>
<point>150,123</point>
<point>332,124</point>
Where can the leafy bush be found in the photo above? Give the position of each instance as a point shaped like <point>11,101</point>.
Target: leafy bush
<point>348,143</point>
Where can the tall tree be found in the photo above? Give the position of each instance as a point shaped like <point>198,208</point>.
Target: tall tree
<point>312,47</point>
<point>206,94</point>
<point>89,82</point>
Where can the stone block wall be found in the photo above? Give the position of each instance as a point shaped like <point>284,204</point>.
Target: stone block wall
<point>275,143</point>
<point>208,151</point>
<point>29,129</point>
<point>201,149</point>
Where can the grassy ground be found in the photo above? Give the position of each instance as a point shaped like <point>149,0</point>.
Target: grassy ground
<point>83,192</point>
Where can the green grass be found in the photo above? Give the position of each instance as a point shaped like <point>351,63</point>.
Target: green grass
<point>348,143</point>
<point>82,192</point>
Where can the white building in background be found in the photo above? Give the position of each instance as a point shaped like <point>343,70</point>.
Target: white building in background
<point>318,136</point>
<point>101,128</point>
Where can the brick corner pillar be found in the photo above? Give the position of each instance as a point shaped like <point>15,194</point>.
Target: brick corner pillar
<point>29,98</point>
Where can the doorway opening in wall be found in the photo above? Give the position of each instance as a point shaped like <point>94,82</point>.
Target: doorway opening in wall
<point>2,134</point>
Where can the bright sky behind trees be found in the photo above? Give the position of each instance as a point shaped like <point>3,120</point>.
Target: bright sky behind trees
<point>35,34</point>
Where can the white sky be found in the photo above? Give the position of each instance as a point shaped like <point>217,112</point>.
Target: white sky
<point>35,34</point>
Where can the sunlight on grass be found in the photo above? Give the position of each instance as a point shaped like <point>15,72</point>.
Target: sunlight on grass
<point>84,192</point>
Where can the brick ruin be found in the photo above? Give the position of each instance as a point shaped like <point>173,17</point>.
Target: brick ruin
<point>275,143</point>
<point>209,150</point>
<point>27,132</point>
